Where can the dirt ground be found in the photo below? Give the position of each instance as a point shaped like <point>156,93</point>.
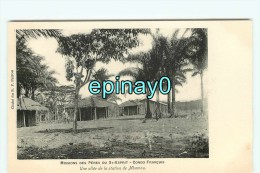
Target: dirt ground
<point>121,137</point>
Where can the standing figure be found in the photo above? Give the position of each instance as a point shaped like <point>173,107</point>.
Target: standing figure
<point>66,116</point>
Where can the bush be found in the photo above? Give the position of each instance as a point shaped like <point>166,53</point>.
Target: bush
<point>199,143</point>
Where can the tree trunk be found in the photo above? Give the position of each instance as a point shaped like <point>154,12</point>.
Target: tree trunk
<point>158,112</point>
<point>169,102</point>
<point>24,122</point>
<point>173,88</point>
<point>76,107</point>
<point>54,115</point>
<point>58,115</point>
<point>173,99</point>
<point>202,94</point>
<point>26,93</point>
<point>18,91</point>
<point>33,94</point>
<point>148,111</point>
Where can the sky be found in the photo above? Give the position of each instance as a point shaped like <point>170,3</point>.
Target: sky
<point>47,47</point>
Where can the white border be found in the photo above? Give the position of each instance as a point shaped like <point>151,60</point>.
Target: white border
<point>85,10</point>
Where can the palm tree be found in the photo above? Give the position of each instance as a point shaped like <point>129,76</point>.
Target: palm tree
<point>159,46</point>
<point>151,64</point>
<point>31,72</point>
<point>174,64</point>
<point>22,35</point>
<point>197,50</point>
<point>139,74</point>
<point>30,76</point>
<point>165,58</point>
<point>22,50</point>
<point>102,75</point>
<point>160,50</point>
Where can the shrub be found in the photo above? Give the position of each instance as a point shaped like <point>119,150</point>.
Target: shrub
<point>199,143</point>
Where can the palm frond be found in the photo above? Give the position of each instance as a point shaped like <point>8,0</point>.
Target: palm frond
<point>36,33</point>
<point>134,72</point>
<point>195,73</point>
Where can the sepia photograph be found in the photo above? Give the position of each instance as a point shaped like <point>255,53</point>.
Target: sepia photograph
<point>130,96</point>
<point>92,93</point>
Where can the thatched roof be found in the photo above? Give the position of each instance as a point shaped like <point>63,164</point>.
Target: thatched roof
<point>137,102</point>
<point>130,103</point>
<point>92,101</point>
<point>25,103</point>
<point>160,102</point>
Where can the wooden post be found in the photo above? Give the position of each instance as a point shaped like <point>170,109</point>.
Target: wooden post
<point>91,113</point>
<point>79,114</point>
<point>24,123</point>
<point>95,113</point>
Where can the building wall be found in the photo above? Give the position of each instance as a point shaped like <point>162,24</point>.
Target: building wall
<point>141,109</point>
<point>131,110</point>
<point>102,113</point>
<point>153,107</point>
<point>113,110</point>
<point>26,118</point>
<point>88,113</point>
<point>20,121</point>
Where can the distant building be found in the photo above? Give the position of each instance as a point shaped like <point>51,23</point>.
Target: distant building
<point>154,106</point>
<point>135,107</point>
<point>93,108</point>
<point>131,107</point>
<point>26,111</point>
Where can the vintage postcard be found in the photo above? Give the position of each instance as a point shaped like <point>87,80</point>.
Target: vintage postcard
<point>130,96</point>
